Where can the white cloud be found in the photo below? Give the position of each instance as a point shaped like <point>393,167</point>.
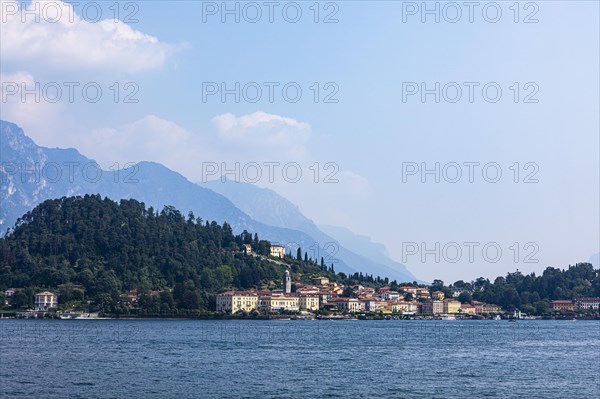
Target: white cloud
<point>280,135</point>
<point>355,183</point>
<point>148,139</point>
<point>33,114</point>
<point>61,39</point>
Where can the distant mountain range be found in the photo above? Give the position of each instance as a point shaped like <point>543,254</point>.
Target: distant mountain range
<point>271,208</point>
<point>31,174</point>
<point>595,260</point>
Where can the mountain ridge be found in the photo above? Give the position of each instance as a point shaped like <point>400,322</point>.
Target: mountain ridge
<point>148,182</point>
<point>258,202</point>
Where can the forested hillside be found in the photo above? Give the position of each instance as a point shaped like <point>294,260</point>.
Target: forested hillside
<point>96,249</point>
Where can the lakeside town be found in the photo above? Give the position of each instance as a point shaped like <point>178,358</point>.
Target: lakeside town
<point>312,297</point>
<point>325,299</point>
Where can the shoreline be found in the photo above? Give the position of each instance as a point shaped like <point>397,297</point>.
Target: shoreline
<point>288,318</point>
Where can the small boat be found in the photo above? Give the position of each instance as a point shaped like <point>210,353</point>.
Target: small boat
<point>69,316</point>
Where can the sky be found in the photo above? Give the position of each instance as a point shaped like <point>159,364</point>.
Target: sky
<point>464,138</point>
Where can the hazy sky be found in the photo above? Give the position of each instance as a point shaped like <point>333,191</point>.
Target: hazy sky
<point>366,119</point>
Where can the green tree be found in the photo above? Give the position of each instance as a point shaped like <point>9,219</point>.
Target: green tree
<point>465,297</point>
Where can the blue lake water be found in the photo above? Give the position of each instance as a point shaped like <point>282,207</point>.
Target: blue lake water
<point>299,359</point>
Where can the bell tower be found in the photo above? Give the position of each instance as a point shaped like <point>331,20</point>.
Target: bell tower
<point>287,282</point>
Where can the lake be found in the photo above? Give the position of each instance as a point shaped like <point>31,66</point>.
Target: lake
<point>298,359</point>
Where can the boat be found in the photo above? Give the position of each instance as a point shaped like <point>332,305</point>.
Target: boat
<point>69,316</point>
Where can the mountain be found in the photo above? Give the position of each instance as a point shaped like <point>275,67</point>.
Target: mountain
<point>65,172</point>
<point>267,206</point>
<point>363,245</point>
<point>31,174</point>
<point>595,260</point>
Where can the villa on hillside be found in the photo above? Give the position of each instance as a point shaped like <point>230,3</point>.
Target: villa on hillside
<point>277,251</point>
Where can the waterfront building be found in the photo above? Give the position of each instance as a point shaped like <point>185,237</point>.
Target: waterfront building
<point>273,303</point>
<point>414,307</point>
<point>563,305</point>
<point>8,294</point>
<point>467,308</point>
<point>432,306</point>
<point>478,306</point>
<point>587,303</point>
<point>491,308</point>
<point>233,302</point>
<point>45,300</point>
<point>451,306</point>
<point>351,305</point>
<point>371,304</point>
<point>308,302</point>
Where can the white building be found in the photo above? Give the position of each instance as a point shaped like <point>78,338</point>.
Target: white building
<point>45,300</point>
<point>390,295</point>
<point>587,303</point>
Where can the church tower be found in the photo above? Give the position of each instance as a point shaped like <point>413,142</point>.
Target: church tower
<point>287,283</point>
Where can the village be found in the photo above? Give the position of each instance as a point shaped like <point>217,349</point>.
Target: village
<point>323,299</point>
<point>327,299</point>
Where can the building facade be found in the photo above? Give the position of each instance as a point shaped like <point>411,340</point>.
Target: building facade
<point>309,302</point>
<point>351,305</point>
<point>432,306</point>
<point>277,251</point>
<point>45,300</point>
<point>587,303</point>
<point>233,302</point>
<point>563,305</point>
<point>451,306</point>
<point>275,303</point>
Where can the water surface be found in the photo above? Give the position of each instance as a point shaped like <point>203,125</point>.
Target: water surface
<point>291,359</point>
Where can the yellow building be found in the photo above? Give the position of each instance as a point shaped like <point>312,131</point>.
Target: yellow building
<point>233,302</point>
<point>568,305</point>
<point>320,280</point>
<point>451,306</point>
<point>491,308</point>
<point>308,302</point>
<point>467,308</point>
<point>385,307</point>
<point>439,295</point>
<point>277,251</point>
<point>279,302</point>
